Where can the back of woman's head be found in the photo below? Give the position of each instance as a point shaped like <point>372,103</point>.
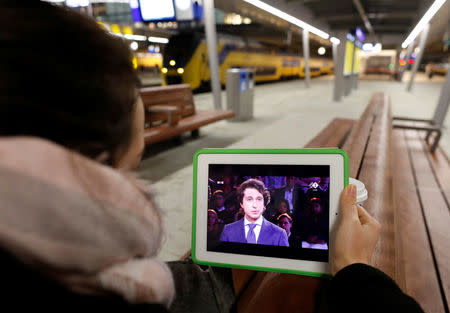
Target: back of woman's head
<point>64,78</point>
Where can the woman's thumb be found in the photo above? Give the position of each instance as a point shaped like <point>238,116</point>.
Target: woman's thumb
<point>348,201</point>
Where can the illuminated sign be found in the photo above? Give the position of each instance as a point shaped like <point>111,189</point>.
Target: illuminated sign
<point>360,34</point>
<point>166,10</point>
<point>157,10</point>
<point>135,10</point>
<point>348,61</point>
<point>184,10</point>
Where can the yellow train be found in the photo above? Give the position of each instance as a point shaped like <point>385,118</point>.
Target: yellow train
<point>146,60</point>
<point>185,61</point>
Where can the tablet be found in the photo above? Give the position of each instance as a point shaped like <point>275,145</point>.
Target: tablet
<point>267,209</point>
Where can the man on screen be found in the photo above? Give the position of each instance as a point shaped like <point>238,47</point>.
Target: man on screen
<point>253,197</point>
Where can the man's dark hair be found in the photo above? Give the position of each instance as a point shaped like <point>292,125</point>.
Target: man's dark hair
<point>288,207</point>
<point>255,184</point>
<point>63,78</point>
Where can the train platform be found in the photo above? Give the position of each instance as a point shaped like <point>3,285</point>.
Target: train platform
<point>286,115</point>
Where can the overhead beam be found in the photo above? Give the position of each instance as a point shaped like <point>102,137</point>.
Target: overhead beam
<point>392,28</point>
<point>364,17</point>
<point>350,17</point>
<point>404,14</point>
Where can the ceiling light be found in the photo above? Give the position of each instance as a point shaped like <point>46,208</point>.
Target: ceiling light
<point>377,48</point>
<point>77,3</point>
<point>321,51</point>
<point>335,40</point>
<point>367,46</point>
<point>134,46</point>
<point>423,22</point>
<point>135,37</point>
<point>183,4</point>
<point>158,39</point>
<point>289,18</point>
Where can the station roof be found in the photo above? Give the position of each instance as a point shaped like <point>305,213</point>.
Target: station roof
<point>389,21</point>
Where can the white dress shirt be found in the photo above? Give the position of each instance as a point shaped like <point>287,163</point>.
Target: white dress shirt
<point>257,228</point>
<point>221,209</point>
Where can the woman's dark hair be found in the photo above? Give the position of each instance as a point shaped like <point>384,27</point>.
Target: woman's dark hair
<point>63,78</point>
<point>288,207</point>
<point>255,184</point>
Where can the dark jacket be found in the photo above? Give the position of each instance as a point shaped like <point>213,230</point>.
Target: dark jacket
<point>26,290</point>
<point>356,288</point>
<point>364,289</point>
<point>270,234</point>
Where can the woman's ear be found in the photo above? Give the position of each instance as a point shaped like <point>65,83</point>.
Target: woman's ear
<point>130,157</point>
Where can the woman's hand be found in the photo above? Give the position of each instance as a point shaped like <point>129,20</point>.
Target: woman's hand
<point>357,233</point>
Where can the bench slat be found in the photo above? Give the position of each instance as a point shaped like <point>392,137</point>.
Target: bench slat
<point>441,167</point>
<point>182,120</point>
<point>356,141</point>
<point>435,209</point>
<point>333,135</point>
<point>201,118</point>
<point>413,248</point>
<point>375,173</point>
<point>179,95</point>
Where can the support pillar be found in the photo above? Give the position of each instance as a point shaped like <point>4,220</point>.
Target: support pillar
<point>443,103</point>
<point>407,57</point>
<point>213,58</point>
<point>306,57</point>
<point>397,63</point>
<point>423,41</point>
<point>338,59</point>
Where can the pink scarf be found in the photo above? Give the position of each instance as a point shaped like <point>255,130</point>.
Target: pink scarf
<point>86,225</point>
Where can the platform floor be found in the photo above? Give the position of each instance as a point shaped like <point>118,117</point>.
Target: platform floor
<point>286,115</point>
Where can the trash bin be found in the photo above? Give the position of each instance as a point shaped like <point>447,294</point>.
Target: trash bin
<point>240,92</point>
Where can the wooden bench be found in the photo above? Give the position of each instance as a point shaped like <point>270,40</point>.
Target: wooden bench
<point>170,111</point>
<point>409,194</point>
<point>421,185</point>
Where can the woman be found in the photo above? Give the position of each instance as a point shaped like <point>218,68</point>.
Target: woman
<point>71,229</point>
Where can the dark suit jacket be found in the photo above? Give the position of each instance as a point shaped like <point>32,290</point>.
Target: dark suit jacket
<point>270,234</point>
<point>297,198</point>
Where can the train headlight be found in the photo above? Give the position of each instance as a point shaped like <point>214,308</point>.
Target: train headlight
<point>180,70</point>
<point>164,70</point>
<point>172,62</point>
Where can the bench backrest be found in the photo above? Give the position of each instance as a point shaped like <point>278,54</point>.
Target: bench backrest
<point>172,95</point>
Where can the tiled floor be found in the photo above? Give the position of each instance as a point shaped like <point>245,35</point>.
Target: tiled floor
<point>287,115</point>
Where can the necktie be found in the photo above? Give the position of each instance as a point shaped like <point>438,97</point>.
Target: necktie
<point>251,238</point>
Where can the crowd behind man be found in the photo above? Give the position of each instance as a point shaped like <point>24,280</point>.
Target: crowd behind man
<point>299,205</point>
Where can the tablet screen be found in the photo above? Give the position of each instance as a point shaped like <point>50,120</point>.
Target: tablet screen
<point>279,211</point>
